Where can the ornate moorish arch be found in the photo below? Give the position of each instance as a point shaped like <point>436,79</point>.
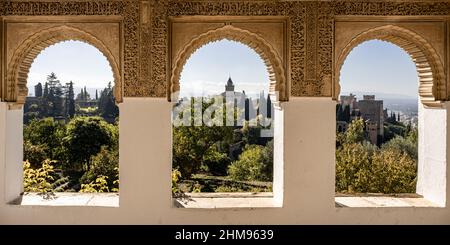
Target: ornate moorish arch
<point>24,55</point>
<point>278,82</point>
<point>432,85</point>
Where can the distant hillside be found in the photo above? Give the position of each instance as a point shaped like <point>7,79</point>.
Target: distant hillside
<point>396,102</point>
<point>378,95</point>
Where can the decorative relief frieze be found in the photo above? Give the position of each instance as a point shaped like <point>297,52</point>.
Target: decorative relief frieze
<point>311,41</point>
<point>24,55</point>
<point>65,7</point>
<point>145,62</point>
<point>132,83</point>
<point>298,50</point>
<point>325,24</point>
<point>431,71</point>
<point>296,12</point>
<point>158,50</point>
<point>128,9</point>
<point>265,50</point>
<point>395,8</point>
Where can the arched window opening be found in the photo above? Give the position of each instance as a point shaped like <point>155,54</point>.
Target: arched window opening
<point>222,122</point>
<point>377,117</point>
<point>71,120</point>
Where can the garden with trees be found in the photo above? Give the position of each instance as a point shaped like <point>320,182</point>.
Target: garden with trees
<point>216,158</point>
<point>66,150</point>
<point>73,148</point>
<point>362,167</point>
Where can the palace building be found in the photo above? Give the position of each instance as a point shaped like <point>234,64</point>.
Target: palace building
<point>303,44</point>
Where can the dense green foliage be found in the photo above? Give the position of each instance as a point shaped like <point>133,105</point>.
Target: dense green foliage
<point>363,167</point>
<point>84,137</point>
<point>43,137</point>
<point>219,150</point>
<point>216,162</point>
<point>40,179</point>
<point>176,175</point>
<point>192,146</point>
<point>99,185</point>
<point>105,163</point>
<point>255,163</point>
<point>80,151</point>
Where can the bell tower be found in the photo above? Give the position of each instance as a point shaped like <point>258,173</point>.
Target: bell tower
<point>229,86</point>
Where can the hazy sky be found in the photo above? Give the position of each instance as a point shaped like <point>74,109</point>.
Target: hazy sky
<point>373,66</point>
<point>381,67</point>
<point>207,70</point>
<point>82,63</point>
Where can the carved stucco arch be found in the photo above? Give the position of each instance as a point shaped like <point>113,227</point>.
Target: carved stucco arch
<point>432,86</point>
<point>278,82</point>
<point>24,55</point>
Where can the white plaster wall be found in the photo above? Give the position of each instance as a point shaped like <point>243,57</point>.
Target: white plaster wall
<point>2,150</point>
<point>278,156</point>
<point>145,165</point>
<point>12,135</point>
<point>433,148</point>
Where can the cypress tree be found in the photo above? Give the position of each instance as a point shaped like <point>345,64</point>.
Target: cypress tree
<point>85,94</point>
<point>45,95</point>
<point>55,95</point>
<point>70,101</point>
<point>346,113</point>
